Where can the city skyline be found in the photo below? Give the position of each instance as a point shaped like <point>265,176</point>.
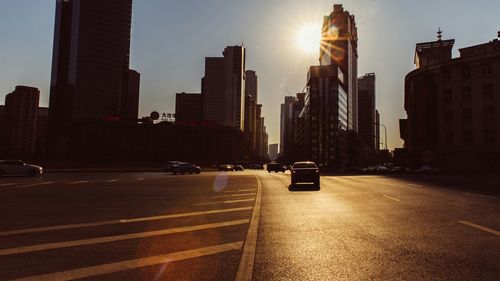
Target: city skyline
<point>171,61</point>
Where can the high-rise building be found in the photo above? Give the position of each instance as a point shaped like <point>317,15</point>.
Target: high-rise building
<point>339,46</point>
<point>223,88</point>
<point>130,98</point>
<point>188,107</point>
<point>377,130</point>
<point>287,137</point>
<point>273,151</point>
<point>90,62</point>
<point>453,106</point>
<point>367,115</point>
<point>20,121</point>
<point>321,133</point>
<point>251,95</point>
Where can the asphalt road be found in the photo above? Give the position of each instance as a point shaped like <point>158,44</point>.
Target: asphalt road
<point>154,226</point>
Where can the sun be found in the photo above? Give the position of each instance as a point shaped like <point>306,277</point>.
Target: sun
<point>308,38</point>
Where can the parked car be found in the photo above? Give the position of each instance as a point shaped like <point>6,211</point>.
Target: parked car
<point>427,169</point>
<point>167,167</point>
<point>18,167</point>
<point>238,168</point>
<point>185,168</point>
<point>226,168</point>
<point>306,172</point>
<point>276,167</point>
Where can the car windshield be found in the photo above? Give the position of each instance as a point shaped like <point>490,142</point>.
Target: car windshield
<point>304,166</point>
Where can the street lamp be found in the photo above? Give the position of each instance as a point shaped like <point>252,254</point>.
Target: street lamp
<point>385,129</point>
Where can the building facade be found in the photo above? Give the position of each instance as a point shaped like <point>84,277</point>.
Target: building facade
<point>223,88</point>
<point>273,151</point>
<point>20,122</point>
<point>90,64</point>
<point>339,46</point>
<point>188,107</point>
<point>130,99</point>
<point>367,112</point>
<point>453,106</point>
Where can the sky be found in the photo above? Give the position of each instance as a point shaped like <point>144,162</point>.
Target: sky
<point>170,39</point>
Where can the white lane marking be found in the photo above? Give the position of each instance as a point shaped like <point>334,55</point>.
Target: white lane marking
<point>109,268</point>
<point>37,184</point>
<point>232,195</point>
<point>480,227</point>
<point>415,185</point>
<point>113,180</point>
<point>239,190</point>
<point>245,268</point>
<point>9,184</point>
<point>140,179</point>
<point>107,239</point>
<point>223,202</point>
<point>120,221</point>
<point>77,182</point>
<point>479,195</point>
<point>392,198</point>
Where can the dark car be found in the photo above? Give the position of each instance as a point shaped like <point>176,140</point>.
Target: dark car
<point>305,172</point>
<point>185,168</point>
<point>167,167</point>
<point>238,168</point>
<point>276,167</point>
<point>226,168</point>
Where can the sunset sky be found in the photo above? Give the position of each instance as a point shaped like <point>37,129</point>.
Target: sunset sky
<point>170,39</point>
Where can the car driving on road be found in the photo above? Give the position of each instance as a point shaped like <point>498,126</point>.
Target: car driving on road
<point>276,167</point>
<point>226,168</point>
<point>18,167</point>
<point>305,172</point>
<point>185,168</point>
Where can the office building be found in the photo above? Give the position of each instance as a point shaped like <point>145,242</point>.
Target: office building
<point>130,98</point>
<point>223,88</point>
<point>273,151</point>
<point>188,107</point>
<point>339,47</point>
<point>20,122</point>
<point>90,64</point>
<point>251,95</point>
<point>453,106</point>
<point>366,113</point>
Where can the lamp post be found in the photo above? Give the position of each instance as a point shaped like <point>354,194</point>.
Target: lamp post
<point>385,130</point>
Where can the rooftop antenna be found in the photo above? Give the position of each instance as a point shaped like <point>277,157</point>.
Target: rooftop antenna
<point>440,34</point>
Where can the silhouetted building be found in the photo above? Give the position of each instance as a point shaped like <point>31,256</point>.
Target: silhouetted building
<point>377,130</point>
<point>321,134</point>
<point>223,88</point>
<point>273,151</point>
<point>42,132</point>
<point>251,95</point>
<point>188,107</point>
<point>453,106</point>
<point>130,99</point>
<point>339,47</point>
<point>265,144</point>
<point>90,64</point>
<point>367,114</point>
<point>20,120</point>
<point>287,128</point>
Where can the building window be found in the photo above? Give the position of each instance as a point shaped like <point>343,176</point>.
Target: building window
<point>489,115</point>
<point>448,117</point>
<point>449,138</point>
<point>489,137</point>
<point>488,91</point>
<point>466,93</point>
<point>448,95</point>
<point>468,137</point>
<point>465,72</point>
<point>487,69</point>
<point>467,116</point>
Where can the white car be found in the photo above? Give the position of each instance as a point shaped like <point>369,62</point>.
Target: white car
<point>18,167</point>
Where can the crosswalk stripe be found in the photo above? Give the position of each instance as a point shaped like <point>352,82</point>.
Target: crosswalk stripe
<point>107,239</point>
<point>77,182</point>
<point>134,264</point>
<point>223,202</point>
<point>37,184</point>
<point>120,221</point>
<point>8,184</point>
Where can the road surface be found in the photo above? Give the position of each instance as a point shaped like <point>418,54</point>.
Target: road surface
<point>156,226</point>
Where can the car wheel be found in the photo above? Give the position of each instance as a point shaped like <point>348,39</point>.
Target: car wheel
<point>316,184</point>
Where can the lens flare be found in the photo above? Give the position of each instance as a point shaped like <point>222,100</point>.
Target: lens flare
<point>308,39</point>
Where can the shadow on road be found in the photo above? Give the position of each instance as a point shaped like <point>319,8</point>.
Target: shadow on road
<point>303,187</point>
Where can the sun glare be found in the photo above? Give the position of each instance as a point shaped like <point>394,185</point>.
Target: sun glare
<point>308,39</point>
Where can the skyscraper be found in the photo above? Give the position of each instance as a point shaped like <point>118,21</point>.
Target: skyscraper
<point>251,94</point>
<point>20,119</point>
<point>367,115</point>
<point>339,46</point>
<point>223,88</point>
<point>90,61</point>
